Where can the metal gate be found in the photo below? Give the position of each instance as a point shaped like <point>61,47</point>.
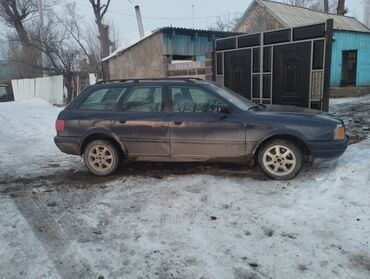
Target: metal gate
<point>286,66</point>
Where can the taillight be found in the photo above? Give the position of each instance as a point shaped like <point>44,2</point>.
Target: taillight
<point>59,125</point>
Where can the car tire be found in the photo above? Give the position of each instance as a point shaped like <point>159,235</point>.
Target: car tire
<point>101,157</point>
<point>280,159</point>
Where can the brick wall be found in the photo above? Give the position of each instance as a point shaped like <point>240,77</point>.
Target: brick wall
<point>195,69</point>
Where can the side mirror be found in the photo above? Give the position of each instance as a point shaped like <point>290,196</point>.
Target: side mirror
<point>224,109</point>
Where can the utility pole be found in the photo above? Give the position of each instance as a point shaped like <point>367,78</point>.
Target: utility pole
<point>41,31</point>
<point>192,14</point>
<point>326,6</point>
<point>367,13</point>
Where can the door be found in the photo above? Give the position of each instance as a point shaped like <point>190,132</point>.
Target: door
<point>238,71</point>
<point>96,110</point>
<point>349,67</point>
<point>199,131</point>
<point>291,74</point>
<point>142,123</point>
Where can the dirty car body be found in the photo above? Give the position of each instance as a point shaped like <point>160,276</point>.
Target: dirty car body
<point>194,120</point>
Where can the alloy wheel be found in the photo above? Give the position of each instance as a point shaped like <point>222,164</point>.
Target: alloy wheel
<point>279,160</point>
<point>100,158</point>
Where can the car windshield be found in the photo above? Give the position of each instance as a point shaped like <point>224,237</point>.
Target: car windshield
<point>233,97</point>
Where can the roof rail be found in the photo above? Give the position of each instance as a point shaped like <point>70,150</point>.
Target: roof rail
<point>133,80</point>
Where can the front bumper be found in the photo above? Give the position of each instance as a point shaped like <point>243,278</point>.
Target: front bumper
<point>328,150</point>
<point>69,145</point>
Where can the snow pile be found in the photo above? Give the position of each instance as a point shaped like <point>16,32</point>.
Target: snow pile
<point>27,139</point>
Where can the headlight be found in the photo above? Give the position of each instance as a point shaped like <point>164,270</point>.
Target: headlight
<point>340,132</point>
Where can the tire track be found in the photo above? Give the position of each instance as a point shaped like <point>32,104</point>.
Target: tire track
<point>60,249</point>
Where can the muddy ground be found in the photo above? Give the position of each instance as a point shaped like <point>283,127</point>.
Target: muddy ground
<point>356,116</point>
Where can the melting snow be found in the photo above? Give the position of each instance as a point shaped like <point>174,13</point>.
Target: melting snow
<point>173,226</point>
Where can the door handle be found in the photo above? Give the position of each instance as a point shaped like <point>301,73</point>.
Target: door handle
<point>177,122</point>
<point>122,121</point>
<point>224,116</point>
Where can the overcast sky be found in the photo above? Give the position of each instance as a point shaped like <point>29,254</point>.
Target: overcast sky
<point>177,13</point>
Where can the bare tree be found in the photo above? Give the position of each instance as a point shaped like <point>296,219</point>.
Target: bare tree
<point>70,46</point>
<point>299,3</point>
<point>227,23</point>
<point>341,9</point>
<point>326,6</point>
<point>14,13</point>
<point>100,9</point>
<point>67,47</point>
<point>81,49</point>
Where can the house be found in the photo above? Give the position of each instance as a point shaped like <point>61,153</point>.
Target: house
<point>166,52</point>
<point>350,59</point>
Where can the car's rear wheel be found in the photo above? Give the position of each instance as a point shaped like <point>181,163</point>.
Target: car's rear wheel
<point>280,159</point>
<point>101,157</point>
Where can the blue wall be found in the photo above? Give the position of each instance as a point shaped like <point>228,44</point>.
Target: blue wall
<point>180,44</point>
<point>345,40</point>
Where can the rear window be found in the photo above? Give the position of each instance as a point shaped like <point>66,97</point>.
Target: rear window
<point>102,99</point>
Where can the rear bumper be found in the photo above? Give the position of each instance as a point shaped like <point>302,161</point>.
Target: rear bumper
<point>328,150</point>
<point>69,145</point>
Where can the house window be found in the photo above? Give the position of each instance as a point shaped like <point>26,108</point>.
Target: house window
<point>349,67</point>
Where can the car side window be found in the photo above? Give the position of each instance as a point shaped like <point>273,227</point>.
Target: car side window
<point>102,99</point>
<point>144,99</point>
<point>188,99</point>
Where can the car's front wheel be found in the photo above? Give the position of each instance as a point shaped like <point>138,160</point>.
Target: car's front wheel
<point>280,159</point>
<point>101,157</point>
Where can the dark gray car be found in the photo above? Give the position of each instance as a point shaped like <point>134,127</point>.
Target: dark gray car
<point>193,120</point>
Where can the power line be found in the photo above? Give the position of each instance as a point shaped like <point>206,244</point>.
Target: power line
<point>164,18</point>
<point>174,18</point>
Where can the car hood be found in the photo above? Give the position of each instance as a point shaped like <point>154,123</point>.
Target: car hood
<point>299,111</point>
<point>292,110</point>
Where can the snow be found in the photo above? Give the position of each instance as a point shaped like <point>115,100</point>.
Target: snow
<point>16,233</point>
<point>312,222</point>
<point>130,44</point>
<point>162,222</point>
<point>349,100</point>
<point>355,112</point>
<point>27,139</point>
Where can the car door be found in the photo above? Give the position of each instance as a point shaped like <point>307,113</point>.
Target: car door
<point>95,109</point>
<point>198,130</point>
<point>142,124</point>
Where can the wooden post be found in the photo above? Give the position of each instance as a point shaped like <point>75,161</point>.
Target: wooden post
<point>327,69</point>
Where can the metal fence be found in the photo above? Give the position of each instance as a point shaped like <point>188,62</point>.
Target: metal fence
<point>50,89</point>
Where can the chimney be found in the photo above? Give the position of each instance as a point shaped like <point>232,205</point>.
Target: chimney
<point>139,21</point>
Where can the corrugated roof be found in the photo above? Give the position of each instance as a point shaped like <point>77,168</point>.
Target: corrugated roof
<point>292,16</point>
<point>180,30</point>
